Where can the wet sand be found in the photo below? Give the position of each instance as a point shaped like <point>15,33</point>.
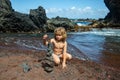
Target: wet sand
<point>12,57</point>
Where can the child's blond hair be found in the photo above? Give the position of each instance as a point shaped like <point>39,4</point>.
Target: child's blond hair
<point>61,31</point>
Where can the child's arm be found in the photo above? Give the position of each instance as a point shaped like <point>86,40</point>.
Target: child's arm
<point>45,39</point>
<point>64,56</point>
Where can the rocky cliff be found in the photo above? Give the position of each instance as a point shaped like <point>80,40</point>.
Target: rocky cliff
<point>59,21</point>
<point>5,5</point>
<point>12,21</point>
<point>114,7</point>
<point>38,16</point>
<point>112,19</point>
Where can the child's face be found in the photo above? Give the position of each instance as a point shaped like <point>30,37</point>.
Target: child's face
<point>59,37</point>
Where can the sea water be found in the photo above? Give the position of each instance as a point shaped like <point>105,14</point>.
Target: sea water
<point>83,23</point>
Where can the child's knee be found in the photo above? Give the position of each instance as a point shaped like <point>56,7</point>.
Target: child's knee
<point>57,61</point>
<point>69,56</point>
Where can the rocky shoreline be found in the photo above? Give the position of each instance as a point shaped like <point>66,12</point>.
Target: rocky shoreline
<point>12,21</point>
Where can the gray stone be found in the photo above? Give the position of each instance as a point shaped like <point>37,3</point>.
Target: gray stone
<point>26,67</point>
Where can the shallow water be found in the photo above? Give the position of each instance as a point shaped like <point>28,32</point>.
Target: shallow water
<point>101,46</point>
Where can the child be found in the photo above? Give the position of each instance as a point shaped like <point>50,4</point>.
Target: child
<point>59,46</point>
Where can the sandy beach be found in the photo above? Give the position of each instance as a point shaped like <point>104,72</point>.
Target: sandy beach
<point>12,59</point>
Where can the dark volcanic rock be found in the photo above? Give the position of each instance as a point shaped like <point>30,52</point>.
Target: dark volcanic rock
<point>38,16</point>
<point>5,5</point>
<point>12,21</point>
<point>114,7</point>
<point>58,22</point>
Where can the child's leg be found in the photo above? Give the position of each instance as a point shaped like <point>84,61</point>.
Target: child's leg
<point>68,56</point>
<point>56,59</point>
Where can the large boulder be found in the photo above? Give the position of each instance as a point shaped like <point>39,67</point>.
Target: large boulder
<point>114,7</point>
<point>16,22</point>
<point>59,22</point>
<point>38,16</point>
<point>12,21</point>
<point>5,5</point>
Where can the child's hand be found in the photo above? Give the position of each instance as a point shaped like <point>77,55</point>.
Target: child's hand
<point>45,39</point>
<point>45,36</point>
<point>64,66</point>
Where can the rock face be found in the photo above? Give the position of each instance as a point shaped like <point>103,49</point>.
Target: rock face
<point>38,16</point>
<point>114,7</point>
<point>12,21</point>
<point>57,22</point>
<point>5,5</point>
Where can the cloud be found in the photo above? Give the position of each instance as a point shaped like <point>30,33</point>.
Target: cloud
<point>87,10</point>
<point>74,12</point>
<point>53,10</point>
<point>73,8</point>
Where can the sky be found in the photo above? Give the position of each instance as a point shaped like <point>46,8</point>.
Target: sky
<point>74,9</point>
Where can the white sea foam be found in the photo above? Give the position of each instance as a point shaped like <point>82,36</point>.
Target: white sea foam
<point>103,32</point>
